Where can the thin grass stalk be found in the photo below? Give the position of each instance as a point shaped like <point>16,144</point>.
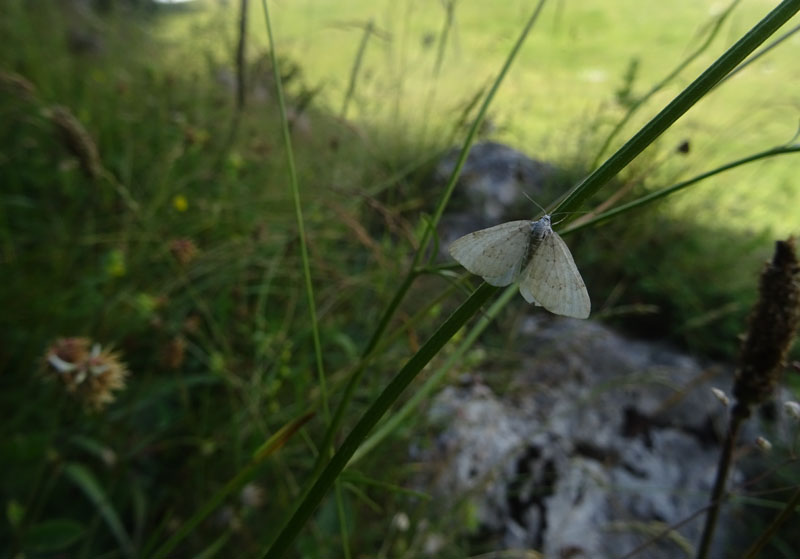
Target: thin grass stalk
<point>301,232</point>
<point>240,56</point>
<point>287,141</point>
<point>342,520</point>
<point>664,192</point>
<point>760,53</point>
<point>355,377</point>
<point>720,19</point>
<point>444,34</point>
<point>356,70</point>
<point>762,358</point>
<point>294,523</point>
<point>767,534</point>
<point>430,384</point>
<point>678,106</point>
<point>718,491</point>
<point>270,446</point>
<point>473,131</point>
<point>291,528</point>
<point>412,272</point>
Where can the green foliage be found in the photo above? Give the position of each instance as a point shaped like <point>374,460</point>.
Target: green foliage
<point>179,247</point>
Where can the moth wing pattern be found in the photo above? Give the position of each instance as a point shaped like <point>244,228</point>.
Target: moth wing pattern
<point>551,279</point>
<point>497,254</point>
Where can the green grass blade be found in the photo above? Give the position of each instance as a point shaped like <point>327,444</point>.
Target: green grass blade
<point>301,231</point>
<point>719,20</point>
<point>662,193</point>
<point>273,444</point>
<point>433,381</point>
<point>327,478</point>
<point>473,131</point>
<point>412,273</point>
<point>87,483</point>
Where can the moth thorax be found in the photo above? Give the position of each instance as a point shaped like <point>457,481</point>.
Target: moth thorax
<point>540,229</point>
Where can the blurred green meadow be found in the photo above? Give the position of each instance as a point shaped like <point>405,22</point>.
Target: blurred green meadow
<point>140,214</point>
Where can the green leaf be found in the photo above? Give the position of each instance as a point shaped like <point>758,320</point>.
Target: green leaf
<point>52,535</point>
<point>86,481</point>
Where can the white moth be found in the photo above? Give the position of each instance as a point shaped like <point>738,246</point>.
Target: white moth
<point>533,254</point>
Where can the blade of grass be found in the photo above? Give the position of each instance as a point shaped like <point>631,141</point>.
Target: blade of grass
<point>652,197</point>
<point>717,25</point>
<point>362,48</point>
<point>678,106</point>
<point>405,285</point>
<point>84,479</point>
<point>294,523</point>
<point>622,157</point>
<point>301,231</point>
<point>430,384</point>
<point>271,445</point>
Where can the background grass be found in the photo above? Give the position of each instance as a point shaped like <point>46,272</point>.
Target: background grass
<point>156,98</point>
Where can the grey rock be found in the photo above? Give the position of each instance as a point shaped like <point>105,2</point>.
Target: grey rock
<point>493,180</point>
<point>594,445</point>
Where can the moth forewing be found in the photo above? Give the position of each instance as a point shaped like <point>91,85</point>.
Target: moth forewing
<point>533,253</point>
<point>551,279</point>
<point>497,254</point>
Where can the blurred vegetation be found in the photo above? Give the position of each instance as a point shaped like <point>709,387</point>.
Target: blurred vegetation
<point>139,211</point>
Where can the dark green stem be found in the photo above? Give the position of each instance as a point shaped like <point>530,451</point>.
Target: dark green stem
<point>362,48</point>
<point>408,373</point>
<point>738,415</point>
<point>780,520</point>
<point>652,197</point>
<point>720,19</point>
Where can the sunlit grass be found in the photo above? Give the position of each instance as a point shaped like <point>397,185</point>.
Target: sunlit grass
<point>566,79</point>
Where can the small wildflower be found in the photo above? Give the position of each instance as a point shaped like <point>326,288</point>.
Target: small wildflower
<point>721,396</point>
<point>115,264</point>
<point>235,161</point>
<point>192,324</point>
<point>195,136</point>
<point>180,203</point>
<point>184,250</point>
<point>792,409</point>
<point>763,444</point>
<point>252,496</point>
<point>87,370</point>
<point>401,522</point>
<point>227,517</point>
<point>109,457</point>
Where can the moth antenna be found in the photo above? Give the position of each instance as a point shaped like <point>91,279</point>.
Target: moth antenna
<point>535,202</point>
<point>567,214</point>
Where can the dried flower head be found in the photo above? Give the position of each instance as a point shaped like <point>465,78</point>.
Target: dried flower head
<point>771,329</point>
<point>184,250</point>
<point>174,353</point>
<point>87,370</point>
<point>252,496</point>
<point>77,140</point>
<point>763,444</point>
<point>792,409</point>
<point>721,396</point>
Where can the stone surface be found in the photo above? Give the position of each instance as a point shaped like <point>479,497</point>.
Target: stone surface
<point>595,443</point>
<point>493,183</point>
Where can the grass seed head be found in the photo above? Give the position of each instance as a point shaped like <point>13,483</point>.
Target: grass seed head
<point>772,327</point>
<point>77,140</point>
